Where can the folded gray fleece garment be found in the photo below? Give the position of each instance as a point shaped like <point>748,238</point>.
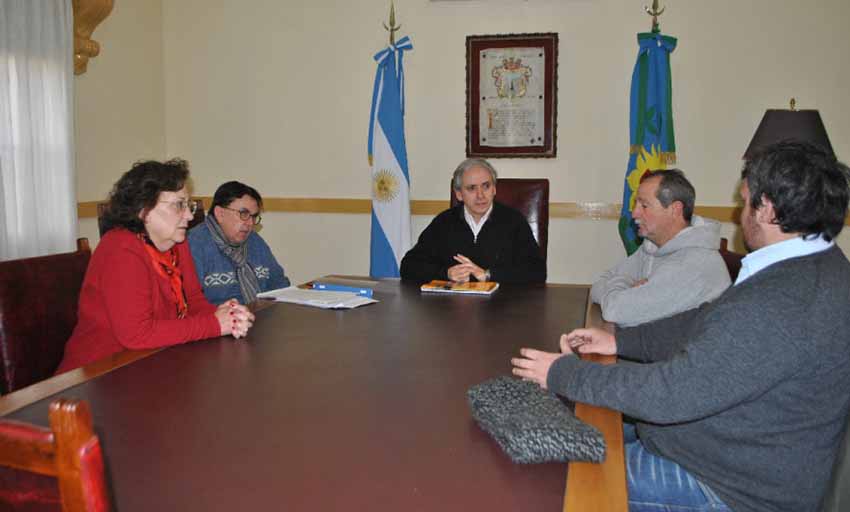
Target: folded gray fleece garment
<point>531,424</point>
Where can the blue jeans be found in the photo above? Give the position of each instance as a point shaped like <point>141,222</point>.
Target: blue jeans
<point>656,484</point>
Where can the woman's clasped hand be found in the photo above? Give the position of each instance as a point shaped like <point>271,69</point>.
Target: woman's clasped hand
<point>234,319</point>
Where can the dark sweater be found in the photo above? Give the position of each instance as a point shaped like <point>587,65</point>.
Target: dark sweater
<point>749,393</point>
<point>505,246</point>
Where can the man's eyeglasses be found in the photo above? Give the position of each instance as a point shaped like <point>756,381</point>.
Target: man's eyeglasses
<point>245,214</point>
<point>183,204</point>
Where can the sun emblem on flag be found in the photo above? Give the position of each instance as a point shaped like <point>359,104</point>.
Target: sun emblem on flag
<point>645,161</point>
<point>384,186</point>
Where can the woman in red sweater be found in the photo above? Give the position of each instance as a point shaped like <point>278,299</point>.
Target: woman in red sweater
<point>140,290</point>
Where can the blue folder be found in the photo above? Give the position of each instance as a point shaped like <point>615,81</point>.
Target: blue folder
<point>332,287</point>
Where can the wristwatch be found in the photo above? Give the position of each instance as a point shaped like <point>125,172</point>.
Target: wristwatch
<point>487,275</point>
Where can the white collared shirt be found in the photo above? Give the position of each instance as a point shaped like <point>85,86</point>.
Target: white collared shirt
<point>774,253</point>
<point>476,226</point>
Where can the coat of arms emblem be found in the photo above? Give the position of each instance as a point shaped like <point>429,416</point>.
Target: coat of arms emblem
<point>511,78</point>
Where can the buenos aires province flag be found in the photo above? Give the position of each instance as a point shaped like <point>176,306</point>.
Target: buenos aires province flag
<point>388,160</point>
<point>652,144</point>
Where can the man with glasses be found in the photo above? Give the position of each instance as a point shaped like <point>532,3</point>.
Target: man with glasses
<point>231,259</point>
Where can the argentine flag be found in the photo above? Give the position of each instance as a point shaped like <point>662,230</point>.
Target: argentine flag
<point>388,160</point>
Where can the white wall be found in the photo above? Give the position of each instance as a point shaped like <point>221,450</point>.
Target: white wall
<point>277,94</point>
<point>119,101</point>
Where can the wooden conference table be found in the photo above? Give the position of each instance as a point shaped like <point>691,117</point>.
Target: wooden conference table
<point>361,409</point>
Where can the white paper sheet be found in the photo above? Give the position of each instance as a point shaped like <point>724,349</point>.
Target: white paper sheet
<point>317,298</point>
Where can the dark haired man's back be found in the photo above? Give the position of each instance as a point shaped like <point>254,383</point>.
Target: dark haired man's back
<point>746,397</point>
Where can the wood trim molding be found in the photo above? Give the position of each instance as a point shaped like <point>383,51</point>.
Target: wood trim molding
<point>587,210</point>
<point>88,14</point>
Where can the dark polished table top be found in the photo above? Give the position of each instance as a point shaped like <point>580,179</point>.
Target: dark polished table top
<point>318,410</point>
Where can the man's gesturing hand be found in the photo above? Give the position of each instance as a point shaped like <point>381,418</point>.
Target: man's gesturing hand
<point>589,341</point>
<point>534,364</point>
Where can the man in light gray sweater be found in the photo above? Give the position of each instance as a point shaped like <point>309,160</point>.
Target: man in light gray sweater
<point>742,402</point>
<point>678,266</point>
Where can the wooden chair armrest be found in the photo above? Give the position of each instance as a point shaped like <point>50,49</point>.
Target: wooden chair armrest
<point>599,487</point>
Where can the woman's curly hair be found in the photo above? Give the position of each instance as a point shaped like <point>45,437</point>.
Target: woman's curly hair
<point>139,188</point>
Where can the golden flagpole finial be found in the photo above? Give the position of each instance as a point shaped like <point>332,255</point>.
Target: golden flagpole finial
<point>393,28</point>
<point>655,13</point>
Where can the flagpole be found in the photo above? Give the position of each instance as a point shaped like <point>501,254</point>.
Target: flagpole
<point>655,13</point>
<point>393,28</point>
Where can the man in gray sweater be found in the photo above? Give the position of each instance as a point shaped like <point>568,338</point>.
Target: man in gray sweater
<point>678,266</point>
<point>742,402</point>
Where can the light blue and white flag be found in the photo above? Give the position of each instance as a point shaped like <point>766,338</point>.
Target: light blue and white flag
<point>388,160</point>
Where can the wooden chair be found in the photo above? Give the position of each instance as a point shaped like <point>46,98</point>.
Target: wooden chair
<point>103,228</point>
<point>69,451</point>
<point>531,197</point>
<point>38,312</point>
<point>732,259</point>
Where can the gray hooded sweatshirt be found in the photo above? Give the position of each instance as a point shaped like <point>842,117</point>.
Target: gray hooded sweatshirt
<point>682,274</point>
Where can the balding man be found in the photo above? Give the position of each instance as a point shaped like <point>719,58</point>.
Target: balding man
<point>677,267</point>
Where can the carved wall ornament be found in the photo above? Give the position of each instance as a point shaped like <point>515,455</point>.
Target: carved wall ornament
<point>88,14</point>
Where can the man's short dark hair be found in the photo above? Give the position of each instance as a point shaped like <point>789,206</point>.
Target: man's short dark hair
<point>808,187</point>
<point>674,186</point>
<point>231,191</point>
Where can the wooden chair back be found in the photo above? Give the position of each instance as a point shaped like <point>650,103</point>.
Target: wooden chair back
<point>530,196</point>
<point>102,226</point>
<point>731,259</point>
<point>38,313</point>
<point>69,451</point>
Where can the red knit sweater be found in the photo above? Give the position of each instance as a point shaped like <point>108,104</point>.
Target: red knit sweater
<point>126,305</point>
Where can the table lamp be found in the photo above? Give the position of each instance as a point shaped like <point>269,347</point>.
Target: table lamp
<point>778,125</point>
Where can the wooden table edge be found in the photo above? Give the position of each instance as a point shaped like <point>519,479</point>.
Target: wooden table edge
<point>23,397</point>
<point>599,487</point>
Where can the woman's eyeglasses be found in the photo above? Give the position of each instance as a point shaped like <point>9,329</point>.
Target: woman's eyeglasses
<point>183,204</point>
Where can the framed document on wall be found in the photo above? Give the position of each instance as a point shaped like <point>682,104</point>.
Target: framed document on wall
<point>511,95</point>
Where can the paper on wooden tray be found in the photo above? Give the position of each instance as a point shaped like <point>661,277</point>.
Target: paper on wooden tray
<point>317,298</point>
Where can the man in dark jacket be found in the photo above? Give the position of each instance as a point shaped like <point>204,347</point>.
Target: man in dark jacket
<point>741,403</point>
<point>479,239</point>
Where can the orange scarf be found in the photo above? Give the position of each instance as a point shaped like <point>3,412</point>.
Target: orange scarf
<point>165,264</point>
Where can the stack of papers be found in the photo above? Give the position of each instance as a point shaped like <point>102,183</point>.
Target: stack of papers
<point>317,298</point>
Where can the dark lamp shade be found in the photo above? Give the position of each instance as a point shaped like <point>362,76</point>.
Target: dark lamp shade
<point>778,125</point>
